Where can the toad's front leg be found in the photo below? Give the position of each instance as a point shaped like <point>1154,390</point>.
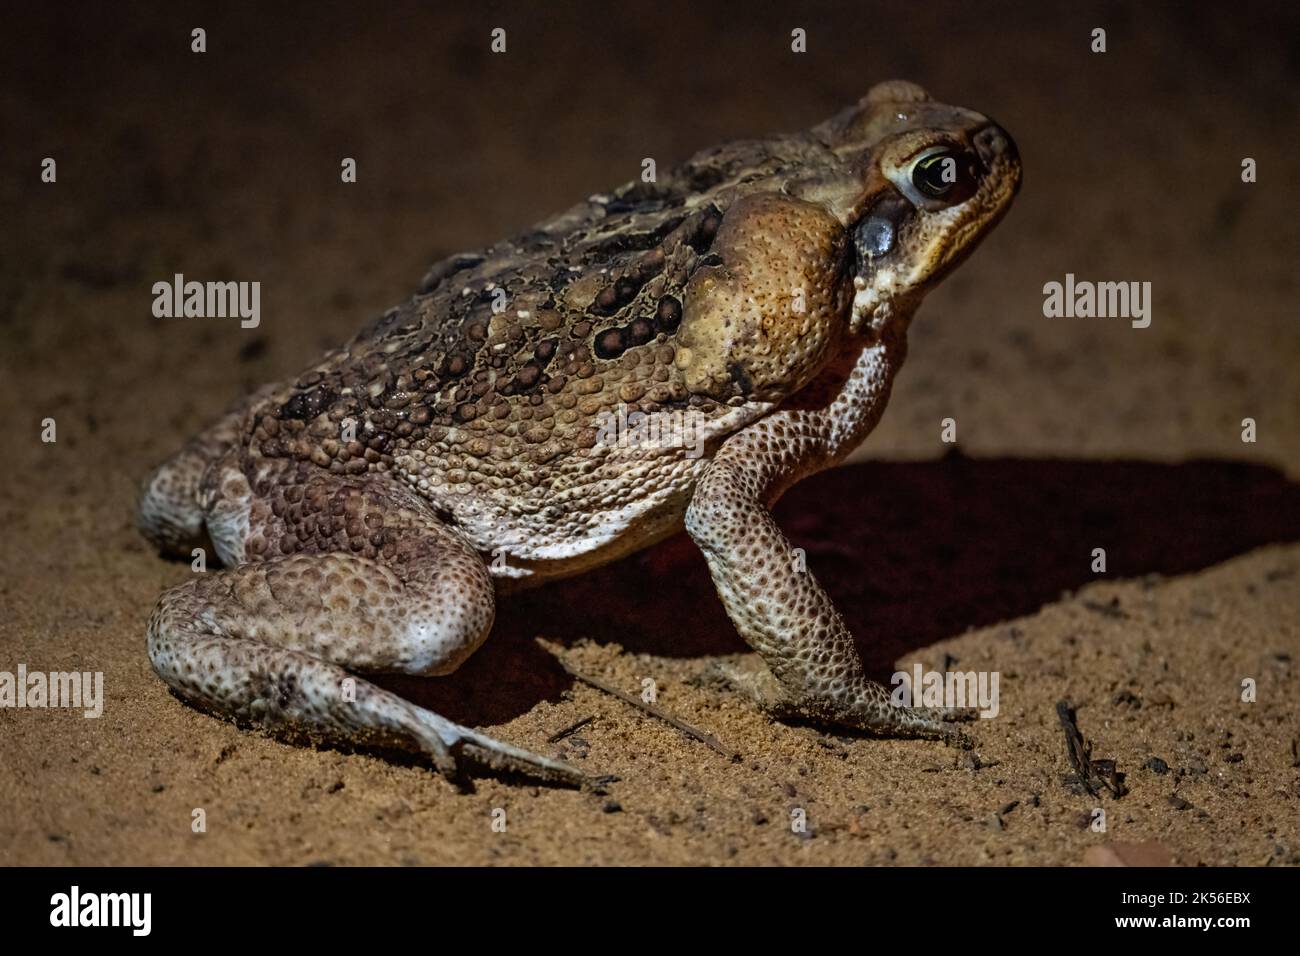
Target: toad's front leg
<point>777,606</point>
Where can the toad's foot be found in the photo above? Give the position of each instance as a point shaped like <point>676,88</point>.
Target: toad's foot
<point>878,714</point>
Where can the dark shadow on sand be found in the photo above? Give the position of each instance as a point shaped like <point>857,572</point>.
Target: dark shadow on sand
<point>912,553</point>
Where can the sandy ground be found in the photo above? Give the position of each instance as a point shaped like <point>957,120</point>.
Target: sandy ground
<point>1073,433</point>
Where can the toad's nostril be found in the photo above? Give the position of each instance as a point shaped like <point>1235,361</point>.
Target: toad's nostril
<point>992,144</point>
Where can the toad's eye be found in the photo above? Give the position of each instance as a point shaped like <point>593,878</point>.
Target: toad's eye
<point>945,176</point>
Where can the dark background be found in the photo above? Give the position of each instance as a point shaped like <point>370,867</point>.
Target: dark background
<point>1073,433</point>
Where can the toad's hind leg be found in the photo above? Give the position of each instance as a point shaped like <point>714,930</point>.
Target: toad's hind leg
<point>273,641</point>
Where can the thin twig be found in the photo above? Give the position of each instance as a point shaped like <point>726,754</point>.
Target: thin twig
<point>569,731</point>
<point>707,739</point>
<point>1093,774</point>
<point>1077,748</point>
